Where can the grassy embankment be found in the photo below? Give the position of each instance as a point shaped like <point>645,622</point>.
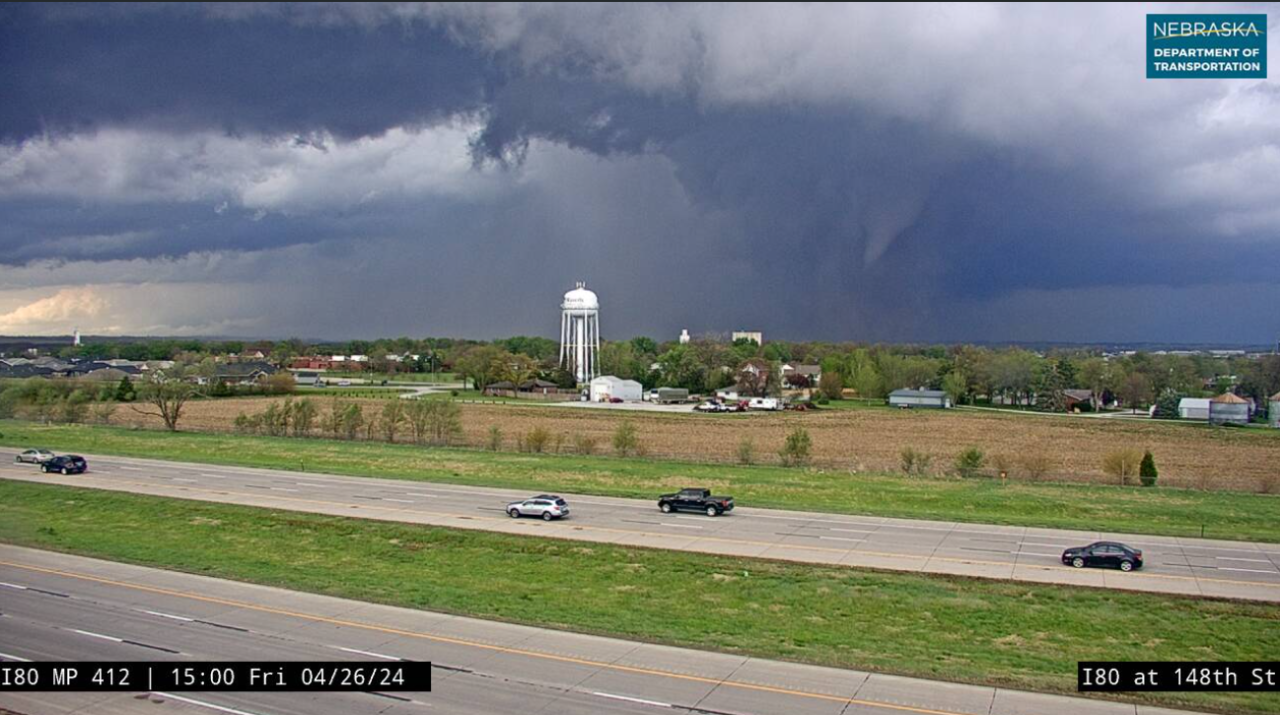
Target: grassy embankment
<point>1157,511</point>
<point>1000,633</point>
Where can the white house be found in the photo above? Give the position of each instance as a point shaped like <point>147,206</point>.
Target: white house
<point>1194,408</point>
<point>606,387</point>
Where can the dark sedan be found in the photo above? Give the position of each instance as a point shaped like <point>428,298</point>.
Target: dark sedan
<point>1110,554</point>
<point>66,464</point>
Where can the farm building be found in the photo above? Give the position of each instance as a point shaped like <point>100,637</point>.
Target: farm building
<point>606,387</point>
<point>1193,408</point>
<point>920,398</point>
<point>1228,408</point>
<point>1273,411</point>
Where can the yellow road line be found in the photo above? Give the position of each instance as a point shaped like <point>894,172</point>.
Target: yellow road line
<point>473,644</point>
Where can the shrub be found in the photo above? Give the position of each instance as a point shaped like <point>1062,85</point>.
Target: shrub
<point>1147,470</point>
<point>796,448</point>
<point>1122,463</point>
<point>1035,465</point>
<point>746,451</point>
<point>103,411</point>
<point>915,464</point>
<point>494,441</point>
<point>303,417</point>
<point>393,417</point>
<point>537,439</point>
<point>1002,463</point>
<point>585,443</point>
<point>625,439</point>
<point>969,462</point>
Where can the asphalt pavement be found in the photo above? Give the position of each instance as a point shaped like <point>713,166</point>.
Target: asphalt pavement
<point>63,607</point>
<point>1200,567</point>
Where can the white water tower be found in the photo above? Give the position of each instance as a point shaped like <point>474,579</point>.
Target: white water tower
<point>580,333</point>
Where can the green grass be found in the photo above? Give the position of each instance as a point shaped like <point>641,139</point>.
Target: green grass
<point>350,392</point>
<point>999,633</point>
<point>1158,511</point>
<point>437,378</point>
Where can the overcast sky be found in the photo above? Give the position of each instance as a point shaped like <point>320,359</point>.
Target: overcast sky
<point>929,173</point>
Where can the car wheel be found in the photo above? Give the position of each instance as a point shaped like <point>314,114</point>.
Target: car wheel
<point>1126,565</point>
<point>1077,562</point>
<point>44,469</point>
<point>65,472</point>
<point>514,513</point>
<point>712,511</point>
<point>547,516</point>
<point>666,508</point>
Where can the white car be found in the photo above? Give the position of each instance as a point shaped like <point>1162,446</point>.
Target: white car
<point>33,456</point>
<point>546,506</point>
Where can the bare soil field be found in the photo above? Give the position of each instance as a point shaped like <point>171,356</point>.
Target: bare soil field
<point>863,440</point>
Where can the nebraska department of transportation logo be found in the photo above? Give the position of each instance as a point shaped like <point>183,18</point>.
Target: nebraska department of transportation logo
<point>1212,46</point>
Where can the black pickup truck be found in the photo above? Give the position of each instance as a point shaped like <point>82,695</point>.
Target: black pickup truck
<point>695,500</point>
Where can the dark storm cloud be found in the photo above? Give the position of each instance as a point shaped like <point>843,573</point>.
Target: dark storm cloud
<point>179,69</point>
<point>703,167</point>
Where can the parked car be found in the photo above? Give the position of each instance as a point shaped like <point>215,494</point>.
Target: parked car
<point>33,456</point>
<point>695,500</point>
<point>547,506</point>
<point>67,464</point>
<point>1104,553</point>
<point>710,406</point>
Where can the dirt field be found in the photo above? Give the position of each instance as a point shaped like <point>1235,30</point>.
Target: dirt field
<point>866,440</point>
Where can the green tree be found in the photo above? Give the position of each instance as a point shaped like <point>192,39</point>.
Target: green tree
<point>125,392</point>
<point>1147,470</point>
<point>969,462</point>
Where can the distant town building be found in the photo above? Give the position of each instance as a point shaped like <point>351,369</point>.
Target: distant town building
<point>1229,409</point>
<point>1194,408</point>
<point>608,387</point>
<point>748,335</point>
<point>936,399</point>
<point>684,337</point>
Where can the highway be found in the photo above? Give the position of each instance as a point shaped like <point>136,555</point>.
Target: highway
<point>62,607</point>
<point>1200,567</point>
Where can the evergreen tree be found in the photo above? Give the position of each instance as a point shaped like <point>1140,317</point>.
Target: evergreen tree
<point>1147,470</point>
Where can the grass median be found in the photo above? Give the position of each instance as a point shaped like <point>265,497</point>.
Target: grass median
<point>1157,511</point>
<point>1018,635</point>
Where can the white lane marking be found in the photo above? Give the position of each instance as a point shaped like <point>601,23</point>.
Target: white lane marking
<point>13,585</point>
<point>212,476</point>
<point>1234,558</point>
<point>171,616</point>
<point>681,526</point>
<point>1032,553</point>
<point>6,656</point>
<point>309,484</point>
<point>1228,568</point>
<point>401,501</point>
<point>839,538</point>
<point>419,494</point>
<point>134,469</point>
<point>282,489</point>
<point>368,653</point>
<point>854,531</point>
<point>654,703</point>
<point>1051,546</point>
<point>91,634</point>
<point>191,481</point>
<point>203,704</point>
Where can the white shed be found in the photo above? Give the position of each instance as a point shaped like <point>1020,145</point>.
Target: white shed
<point>606,387</point>
<point>1194,408</point>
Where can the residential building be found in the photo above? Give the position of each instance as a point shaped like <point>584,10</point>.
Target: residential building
<point>936,399</point>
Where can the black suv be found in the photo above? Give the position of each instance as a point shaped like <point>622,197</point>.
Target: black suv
<point>1104,553</point>
<point>67,464</point>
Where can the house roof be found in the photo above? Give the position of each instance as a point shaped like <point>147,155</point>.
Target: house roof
<point>809,369</point>
<point>1230,399</point>
<point>1081,395</point>
<point>1194,403</point>
<point>1275,397</point>
<point>243,369</point>
<point>500,385</point>
<point>536,384</point>
<point>918,393</point>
